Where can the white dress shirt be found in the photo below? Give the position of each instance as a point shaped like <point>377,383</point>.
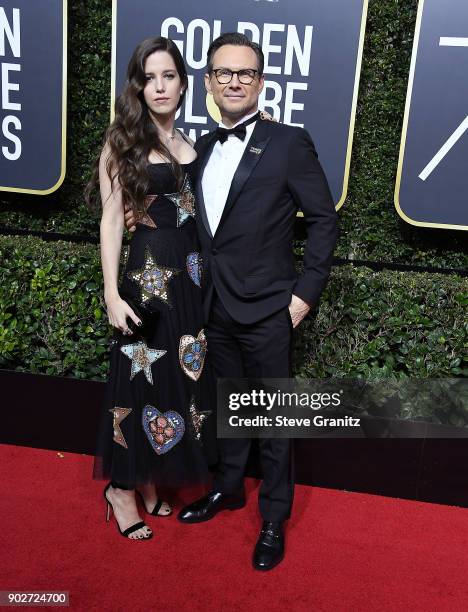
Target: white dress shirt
<point>220,170</point>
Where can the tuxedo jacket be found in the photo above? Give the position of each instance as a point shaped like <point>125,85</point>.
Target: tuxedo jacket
<point>249,261</point>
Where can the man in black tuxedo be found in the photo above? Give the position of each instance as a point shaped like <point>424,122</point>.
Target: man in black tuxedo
<point>254,176</point>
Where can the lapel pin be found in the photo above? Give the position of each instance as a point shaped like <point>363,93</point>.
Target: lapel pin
<point>255,150</point>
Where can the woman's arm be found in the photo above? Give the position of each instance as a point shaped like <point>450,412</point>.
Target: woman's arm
<point>112,224</point>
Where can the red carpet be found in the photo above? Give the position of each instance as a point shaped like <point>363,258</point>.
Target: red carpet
<point>346,551</point>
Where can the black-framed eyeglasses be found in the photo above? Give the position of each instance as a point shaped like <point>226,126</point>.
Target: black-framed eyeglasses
<point>224,76</point>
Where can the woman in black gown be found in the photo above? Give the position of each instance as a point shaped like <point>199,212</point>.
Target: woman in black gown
<point>158,421</point>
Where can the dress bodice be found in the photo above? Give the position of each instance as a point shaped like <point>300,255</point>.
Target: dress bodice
<point>166,205</point>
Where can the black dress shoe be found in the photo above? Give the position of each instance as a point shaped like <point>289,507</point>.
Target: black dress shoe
<point>269,550</point>
<point>207,507</point>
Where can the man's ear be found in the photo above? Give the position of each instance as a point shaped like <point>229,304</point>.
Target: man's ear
<point>208,83</point>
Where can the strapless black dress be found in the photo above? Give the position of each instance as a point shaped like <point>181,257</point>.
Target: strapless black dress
<point>159,422</point>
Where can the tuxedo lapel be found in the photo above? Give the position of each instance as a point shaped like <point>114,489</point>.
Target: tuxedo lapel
<point>203,157</point>
<point>252,154</point>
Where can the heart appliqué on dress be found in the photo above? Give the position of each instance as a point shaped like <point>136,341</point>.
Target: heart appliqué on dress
<point>194,267</point>
<point>192,354</point>
<point>163,429</point>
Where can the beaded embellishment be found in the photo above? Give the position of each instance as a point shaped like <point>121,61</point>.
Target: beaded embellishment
<point>123,261</point>
<point>163,429</point>
<point>184,201</point>
<point>264,116</point>
<point>145,219</point>
<point>195,267</point>
<point>152,279</point>
<point>192,354</point>
<point>198,418</point>
<point>119,414</point>
<point>142,358</point>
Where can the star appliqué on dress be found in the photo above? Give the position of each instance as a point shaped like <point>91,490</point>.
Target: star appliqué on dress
<point>198,417</point>
<point>142,357</point>
<point>153,279</point>
<point>184,201</point>
<point>119,414</point>
<point>145,219</point>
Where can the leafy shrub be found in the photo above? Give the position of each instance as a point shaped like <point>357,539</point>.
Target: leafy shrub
<point>370,324</point>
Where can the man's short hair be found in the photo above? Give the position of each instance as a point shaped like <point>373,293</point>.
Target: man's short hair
<point>234,38</point>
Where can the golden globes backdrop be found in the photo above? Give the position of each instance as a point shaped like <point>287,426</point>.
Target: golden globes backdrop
<point>312,50</point>
<point>432,180</point>
<point>33,95</point>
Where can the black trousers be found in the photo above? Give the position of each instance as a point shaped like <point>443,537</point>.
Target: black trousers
<point>260,350</point>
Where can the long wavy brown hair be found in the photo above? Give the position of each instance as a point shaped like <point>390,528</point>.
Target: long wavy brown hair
<point>133,135</point>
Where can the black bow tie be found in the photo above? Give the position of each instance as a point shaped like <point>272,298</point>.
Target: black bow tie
<point>222,133</point>
<point>240,130</point>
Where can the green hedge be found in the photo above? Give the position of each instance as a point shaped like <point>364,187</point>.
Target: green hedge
<point>371,228</point>
<point>386,324</point>
<point>52,319</point>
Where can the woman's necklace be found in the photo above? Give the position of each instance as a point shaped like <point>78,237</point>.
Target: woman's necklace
<point>170,139</point>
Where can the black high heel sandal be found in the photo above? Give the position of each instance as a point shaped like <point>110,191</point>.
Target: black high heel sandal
<point>130,529</point>
<point>157,508</point>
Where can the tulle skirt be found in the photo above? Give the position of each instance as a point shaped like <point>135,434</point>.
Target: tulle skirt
<point>158,419</point>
